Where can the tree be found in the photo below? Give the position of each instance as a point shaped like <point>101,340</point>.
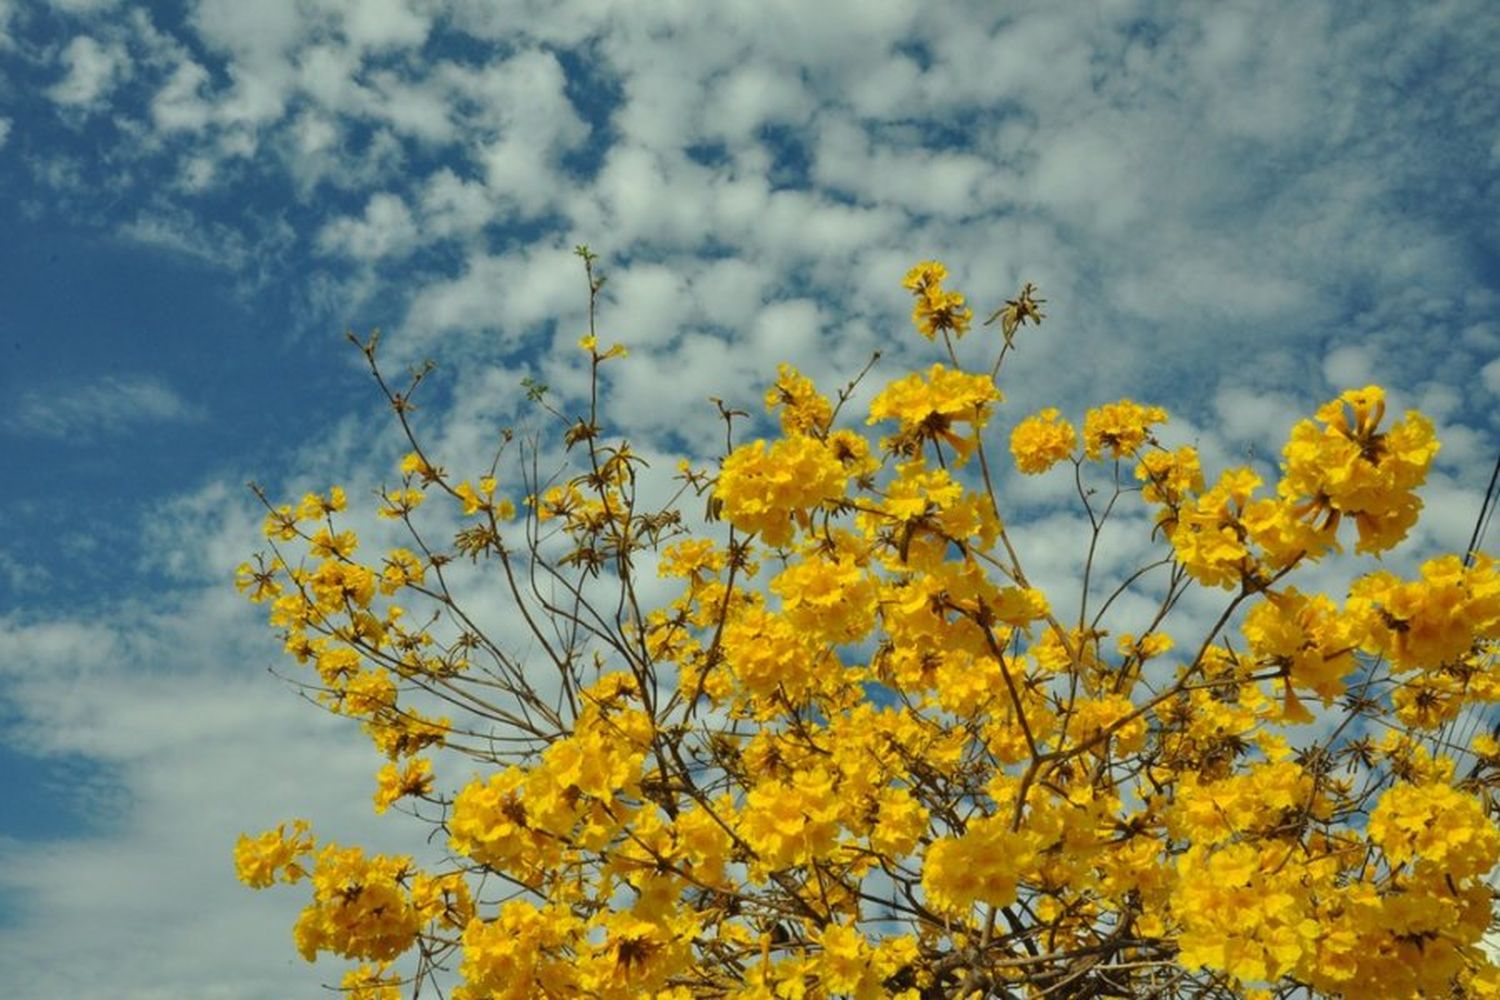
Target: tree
<point>859,753</point>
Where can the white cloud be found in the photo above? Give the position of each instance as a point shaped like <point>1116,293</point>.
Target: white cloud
<point>214,244</point>
<point>328,75</point>
<point>1258,417</point>
<point>751,96</point>
<point>102,407</point>
<point>84,6</point>
<point>786,329</point>
<point>316,134</point>
<point>385,230</point>
<point>198,174</point>
<point>524,123</point>
<point>201,748</point>
<point>649,305</point>
<point>1092,175</point>
<point>919,180</point>
<point>730,290</point>
<point>93,71</point>
<point>180,103</point>
<point>419,109</point>
<point>259,33</point>
<point>22,577</point>
<point>453,207</point>
<point>1490,376</point>
<point>4,131</point>
<point>1349,366</point>
<point>512,293</point>
<point>381,24</point>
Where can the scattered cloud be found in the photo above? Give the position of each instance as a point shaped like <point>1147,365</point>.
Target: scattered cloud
<point>98,408</point>
<point>1257,417</point>
<point>93,71</point>
<point>1349,366</point>
<point>179,104</point>
<point>251,255</point>
<point>175,740</point>
<point>84,6</point>
<point>386,230</point>
<point>1490,376</point>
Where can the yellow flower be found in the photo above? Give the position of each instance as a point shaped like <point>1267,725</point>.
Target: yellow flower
<point>804,410</point>
<point>369,982</point>
<point>338,585</point>
<point>325,543</point>
<point>1435,827</point>
<point>260,861</point>
<point>1093,717</point>
<point>930,406</point>
<point>511,957</point>
<point>475,501</point>
<point>927,274</point>
<point>981,866</point>
<point>315,507</point>
<point>260,582</point>
<point>1433,620</point>
<point>762,488</point>
<point>1121,427</point>
<point>832,599</point>
<point>1169,478</point>
<point>397,783</point>
<point>1209,539</point>
<point>1041,441</point>
<point>693,559</point>
<point>1349,468</point>
<point>359,907</point>
<point>1307,638</point>
<point>412,464</point>
<point>935,308</point>
<point>402,569</point>
<point>281,524</point>
<point>794,822</point>
<point>399,503</point>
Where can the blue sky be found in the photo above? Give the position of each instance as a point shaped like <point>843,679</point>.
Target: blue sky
<point>1235,210</point>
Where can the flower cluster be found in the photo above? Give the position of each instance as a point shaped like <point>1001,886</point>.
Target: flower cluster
<point>841,743</point>
<point>1348,467</point>
<point>935,308</point>
<point>763,488</point>
<point>1041,441</point>
<point>930,406</point>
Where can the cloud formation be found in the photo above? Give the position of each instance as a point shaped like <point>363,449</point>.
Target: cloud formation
<point>98,408</point>
<point>92,72</point>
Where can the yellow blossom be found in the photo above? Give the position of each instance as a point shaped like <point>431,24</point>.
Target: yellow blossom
<point>930,406</point>
<point>936,309</point>
<point>1120,427</point>
<point>804,410</point>
<point>396,782</point>
<point>1041,441</point>
<point>260,861</point>
<point>763,488</point>
<point>1349,468</point>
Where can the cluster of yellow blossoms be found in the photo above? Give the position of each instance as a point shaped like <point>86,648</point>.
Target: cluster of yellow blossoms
<point>936,309</point>
<point>886,766</point>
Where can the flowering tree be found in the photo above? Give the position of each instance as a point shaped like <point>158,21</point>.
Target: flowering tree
<point>859,753</point>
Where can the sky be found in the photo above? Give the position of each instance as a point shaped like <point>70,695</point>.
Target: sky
<point>1235,210</point>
